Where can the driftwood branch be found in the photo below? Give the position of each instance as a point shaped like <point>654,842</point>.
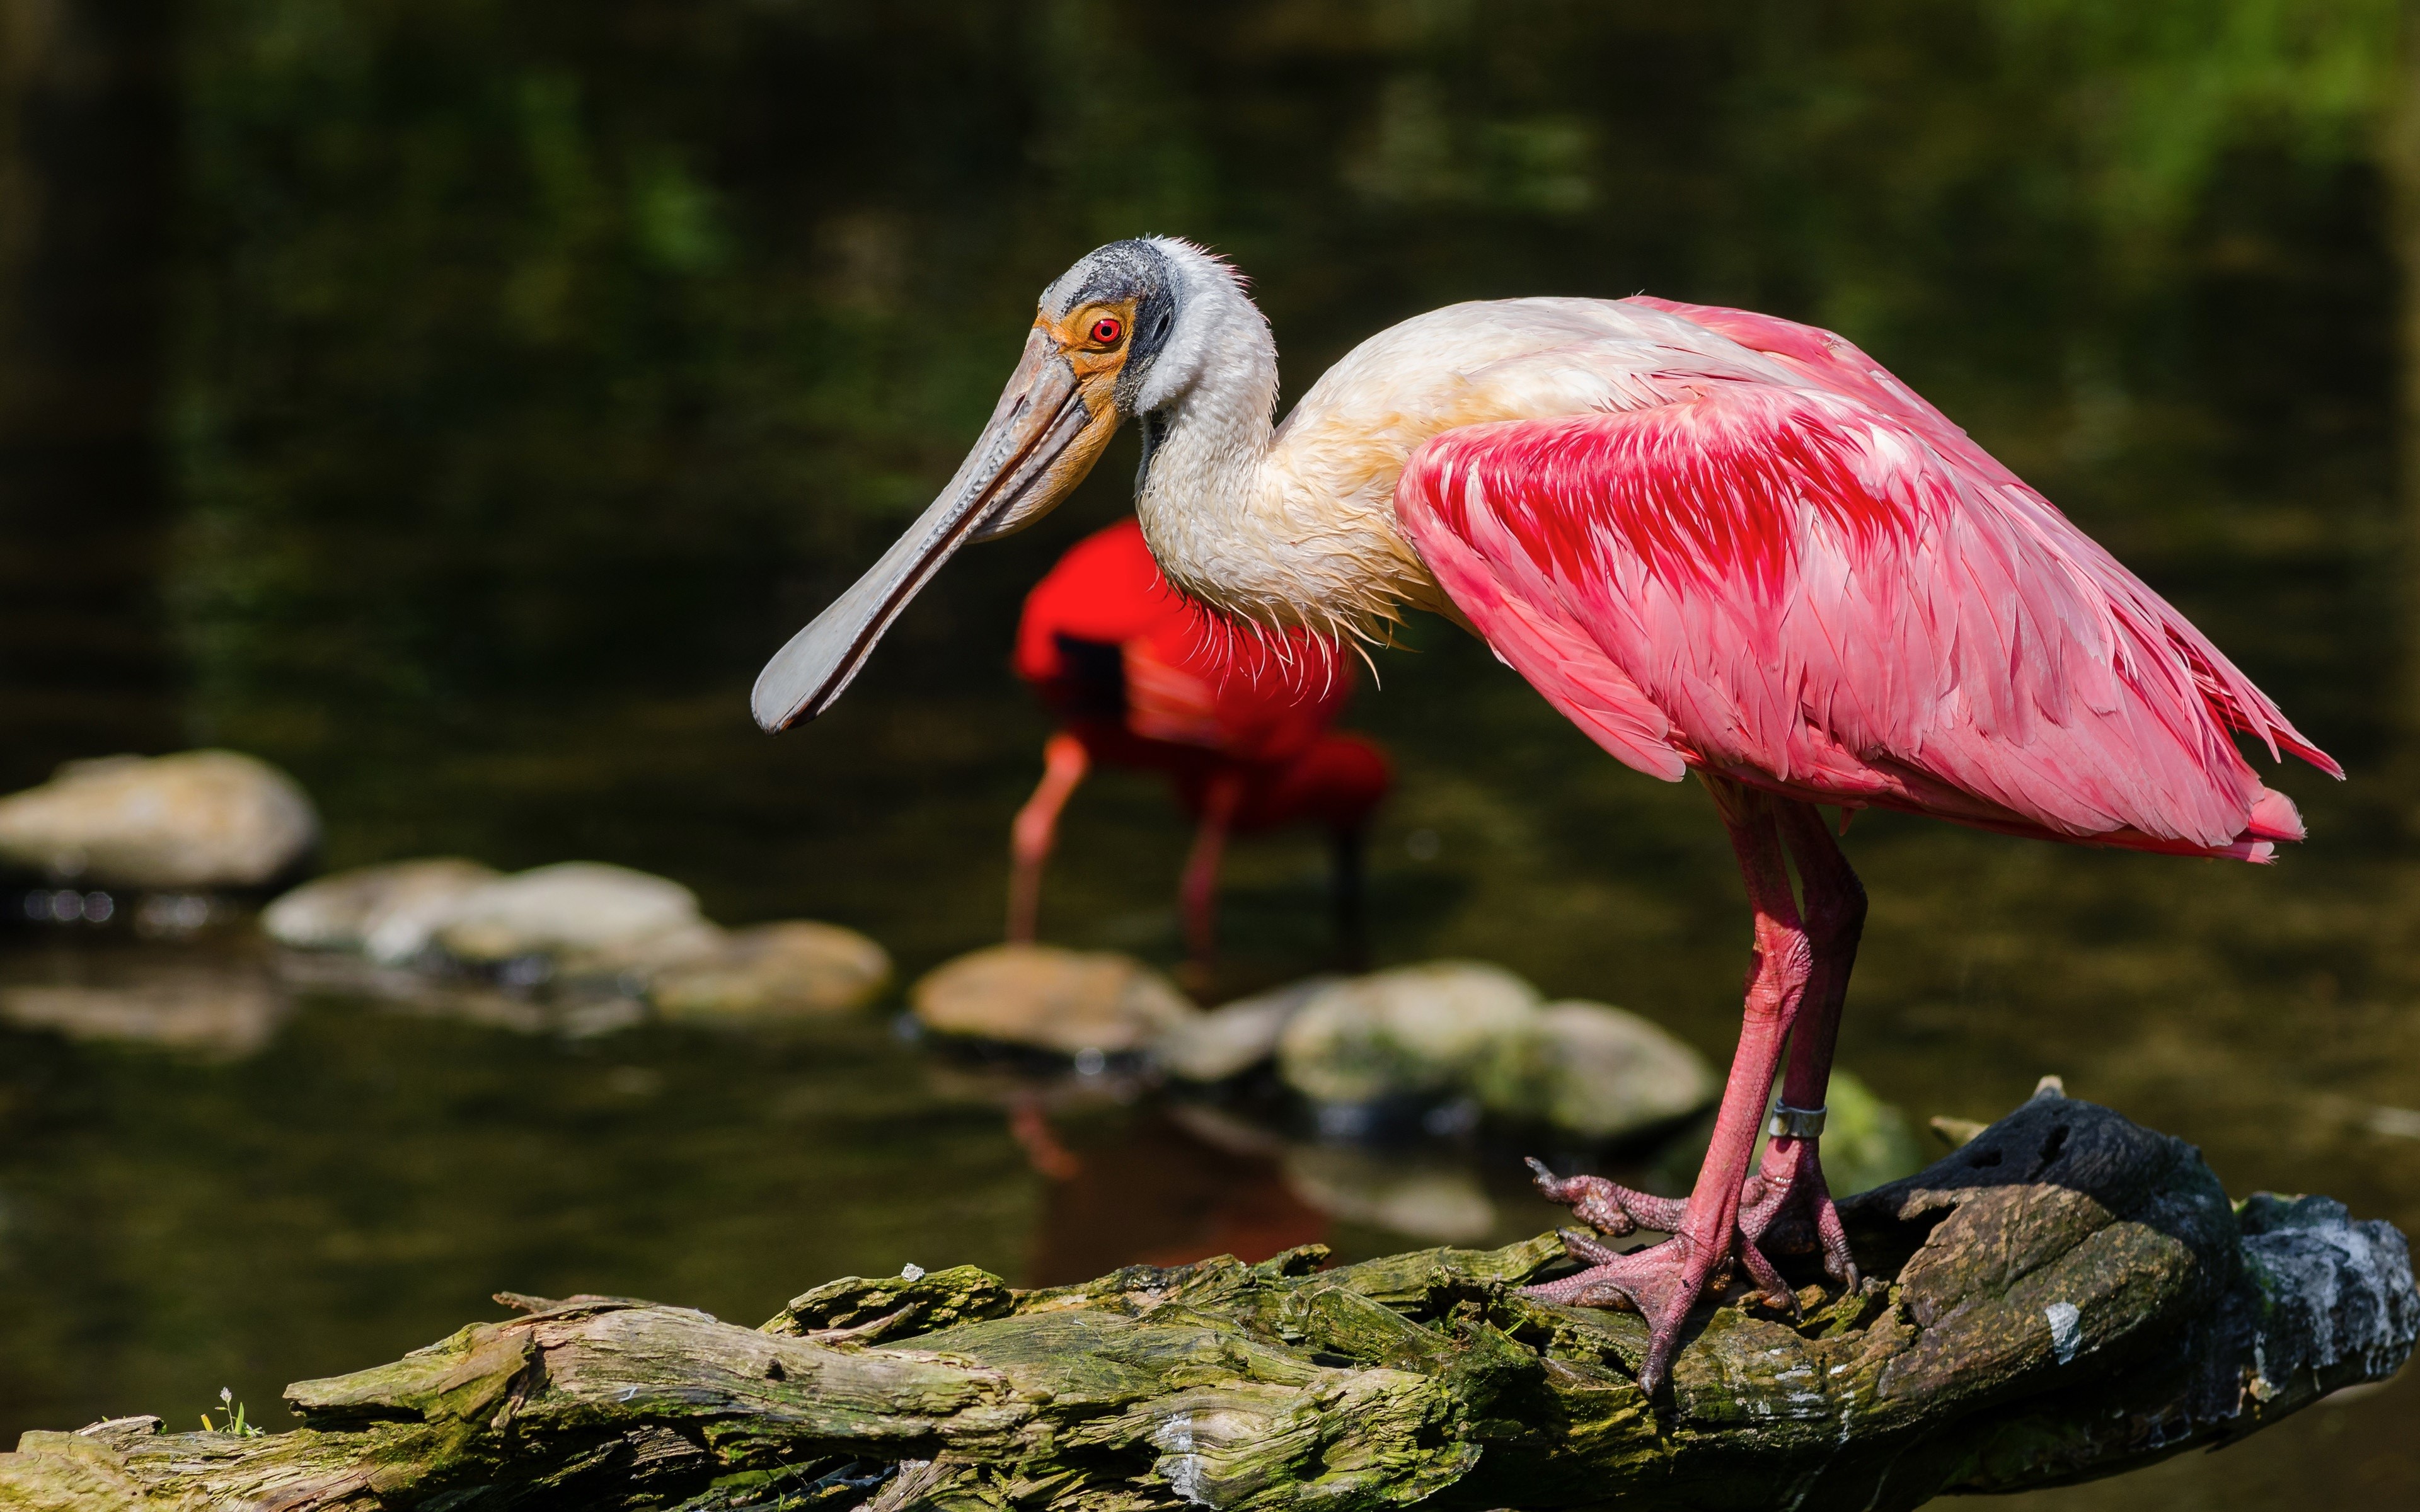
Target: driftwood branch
<point>2066,1296</point>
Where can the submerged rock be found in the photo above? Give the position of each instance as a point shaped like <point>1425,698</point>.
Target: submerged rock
<point>774,970</point>
<point>1411,1031</point>
<point>1232,1038</point>
<point>385,912</point>
<point>1594,1071</point>
<point>1049,999</point>
<point>1466,1029</point>
<point>197,819</point>
<point>581,916</point>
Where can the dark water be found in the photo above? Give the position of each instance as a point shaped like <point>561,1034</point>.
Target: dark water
<point>513,379</point>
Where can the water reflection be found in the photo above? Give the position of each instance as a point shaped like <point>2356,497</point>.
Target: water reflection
<point>530,375</point>
<point>1155,1191</point>
<point>200,1004</point>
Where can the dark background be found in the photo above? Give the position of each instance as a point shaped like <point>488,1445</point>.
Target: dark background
<point>455,401</point>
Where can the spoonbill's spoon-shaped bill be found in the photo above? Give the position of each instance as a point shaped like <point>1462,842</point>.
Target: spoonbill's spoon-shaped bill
<point>1016,469</point>
<point>1100,349</point>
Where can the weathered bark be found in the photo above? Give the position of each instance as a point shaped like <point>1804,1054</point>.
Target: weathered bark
<point>2066,1296</point>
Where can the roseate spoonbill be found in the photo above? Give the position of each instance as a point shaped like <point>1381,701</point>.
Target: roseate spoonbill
<point>1720,542</point>
<point>1141,676</point>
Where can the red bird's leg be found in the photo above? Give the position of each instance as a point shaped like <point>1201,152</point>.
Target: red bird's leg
<point>1664,1281</point>
<point>1198,891</point>
<point>1037,826</point>
<point>1795,1212</point>
<point>1029,1124</point>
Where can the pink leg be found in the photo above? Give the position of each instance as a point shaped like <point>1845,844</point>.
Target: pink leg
<point>1664,1281</point>
<point>1197,892</point>
<point>1029,1124</point>
<point>1794,1210</point>
<point>1037,826</point>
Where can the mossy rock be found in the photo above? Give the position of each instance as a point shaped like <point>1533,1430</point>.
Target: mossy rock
<point>795,969</point>
<point>1593,1070</point>
<point>1406,1032</point>
<point>1044,998</point>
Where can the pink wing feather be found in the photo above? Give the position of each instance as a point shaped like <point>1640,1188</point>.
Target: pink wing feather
<point>1836,363</point>
<point>1831,592</point>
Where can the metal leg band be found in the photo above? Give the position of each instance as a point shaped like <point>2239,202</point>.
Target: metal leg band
<point>1795,1123</point>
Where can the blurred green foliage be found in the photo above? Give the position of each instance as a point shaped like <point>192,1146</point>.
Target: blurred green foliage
<point>2158,93</point>
<point>541,366</point>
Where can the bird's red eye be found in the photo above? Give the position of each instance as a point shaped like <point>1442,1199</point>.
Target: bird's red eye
<point>1105,331</point>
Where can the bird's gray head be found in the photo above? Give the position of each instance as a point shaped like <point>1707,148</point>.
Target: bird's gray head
<point>1124,332</point>
<point>1133,281</point>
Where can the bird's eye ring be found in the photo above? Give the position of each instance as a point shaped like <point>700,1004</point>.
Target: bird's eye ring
<point>1105,331</point>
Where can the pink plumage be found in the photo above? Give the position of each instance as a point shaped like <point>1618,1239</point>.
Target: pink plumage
<point>1830,592</point>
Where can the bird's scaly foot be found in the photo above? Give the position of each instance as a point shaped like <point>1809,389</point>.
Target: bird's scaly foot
<point>1610,1207</point>
<point>1784,1204</point>
<point>1660,1283</point>
<point>1786,1209</point>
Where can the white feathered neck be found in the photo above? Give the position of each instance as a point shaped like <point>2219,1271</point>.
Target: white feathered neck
<point>1241,514</point>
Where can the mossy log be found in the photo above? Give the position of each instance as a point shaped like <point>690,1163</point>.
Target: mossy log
<point>2066,1296</point>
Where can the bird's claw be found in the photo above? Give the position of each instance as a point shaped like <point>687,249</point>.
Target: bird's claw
<point>1785,1204</point>
<point>1605,1206</point>
<point>1661,1283</point>
<point>1788,1207</point>
<point>1581,1246</point>
<point>1768,1281</point>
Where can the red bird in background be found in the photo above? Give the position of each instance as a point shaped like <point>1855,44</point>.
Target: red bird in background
<point>1141,676</point>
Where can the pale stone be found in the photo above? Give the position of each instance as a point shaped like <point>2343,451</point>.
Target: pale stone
<point>1234,1036</point>
<point>584,915</point>
<point>197,819</point>
<point>1425,1199</point>
<point>1593,1070</point>
<point>1410,1031</point>
<point>1041,995</point>
<point>773,971</point>
<point>384,912</point>
<point>639,960</point>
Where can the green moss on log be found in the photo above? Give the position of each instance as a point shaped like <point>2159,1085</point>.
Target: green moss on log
<point>2067,1295</point>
